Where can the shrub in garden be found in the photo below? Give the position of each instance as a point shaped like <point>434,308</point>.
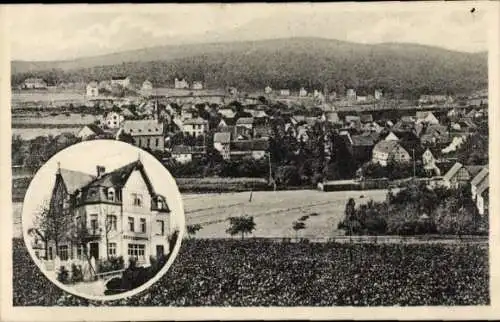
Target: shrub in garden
<point>63,275</point>
<point>76,273</point>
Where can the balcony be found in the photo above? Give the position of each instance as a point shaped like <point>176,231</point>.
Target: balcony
<point>93,233</point>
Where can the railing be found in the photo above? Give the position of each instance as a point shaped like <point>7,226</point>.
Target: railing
<point>104,275</point>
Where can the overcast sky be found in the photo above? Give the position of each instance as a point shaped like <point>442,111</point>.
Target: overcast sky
<point>49,32</point>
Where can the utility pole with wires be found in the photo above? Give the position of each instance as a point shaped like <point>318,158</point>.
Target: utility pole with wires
<point>414,169</point>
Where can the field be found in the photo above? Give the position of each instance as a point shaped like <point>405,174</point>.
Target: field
<point>26,98</point>
<point>274,212</point>
<point>60,119</point>
<point>31,125</point>
<point>31,133</point>
<point>261,273</point>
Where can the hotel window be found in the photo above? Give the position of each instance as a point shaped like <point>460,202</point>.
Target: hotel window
<point>93,222</point>
<point>130,223</point>
<point>161,227</point>
<point>137,199</point>
<point>80,252</point>
<point>143,225</point>
<point>111,222</point>
<point>111,194</point>
<point>157,143</point>
<point>137,250</point>
<point>111,249</point>
<point>63,252</point>
<point>149,141</point>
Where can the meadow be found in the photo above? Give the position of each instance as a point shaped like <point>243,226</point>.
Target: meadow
<point>31,133</point>
<point>274,212</point>
<point>46,98</point>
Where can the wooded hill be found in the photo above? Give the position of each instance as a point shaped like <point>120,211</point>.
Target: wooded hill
<point>407,69</point>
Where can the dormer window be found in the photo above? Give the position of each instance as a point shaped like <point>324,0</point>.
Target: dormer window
<point>111,194</point>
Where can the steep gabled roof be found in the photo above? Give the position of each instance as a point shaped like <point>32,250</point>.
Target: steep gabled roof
<point>196,121</point>
<point>250,145</point>
<point>143,127</point>
<point>362,140</point>
<point>474,169</point>
<point>74,180</point>
<point>182,149</point>
<point>118,178</point>
<point>96,129</point>
<point>386,146</point>
<point>453,171</point>
<point>479,177</point>
<point>222,137</point>
<point>483,186</point>
<point>245,120</point>
<point>366,118</point>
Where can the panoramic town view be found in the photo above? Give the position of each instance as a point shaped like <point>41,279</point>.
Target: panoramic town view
<point>317,167</point>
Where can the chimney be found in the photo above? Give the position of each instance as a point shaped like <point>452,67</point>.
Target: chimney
<point>100,170</point>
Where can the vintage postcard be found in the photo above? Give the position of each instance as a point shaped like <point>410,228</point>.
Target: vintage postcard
<point>249,161</point>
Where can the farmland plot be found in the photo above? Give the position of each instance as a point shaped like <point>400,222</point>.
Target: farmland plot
<point>274,212</point>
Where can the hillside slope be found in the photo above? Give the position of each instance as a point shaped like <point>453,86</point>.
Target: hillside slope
<point>294,62</point>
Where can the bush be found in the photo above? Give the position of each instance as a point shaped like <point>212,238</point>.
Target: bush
<point>63,275</point>
<point>76,273</point>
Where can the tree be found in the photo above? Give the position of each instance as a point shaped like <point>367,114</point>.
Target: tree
<point>42,227</point>
<point>241,225</point>
<point>298,225</point>
<point>193,229</point>
<point>16,150</point>
<point>125,137</point>
<point>79,235</point>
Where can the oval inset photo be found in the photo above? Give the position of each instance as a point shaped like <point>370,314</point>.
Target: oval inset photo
<point>103,219</point>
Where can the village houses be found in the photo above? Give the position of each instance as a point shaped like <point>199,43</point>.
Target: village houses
<point>285,92</point>
<point>197,85</point>
<point>111,120</point>
<point>222,142</point>
<point>351,94</point>
<point>90,131</point>
<point>180,83</point>
<point>426,117</point>
<point>386,151</point>
<point>145,133</point>
<point>195,127</point>
<point>182,154</point>
<point>123,81</point>
<point>147,88</point>
<point>92,89</point>
<point>460,175</point>
<point>34,83</point>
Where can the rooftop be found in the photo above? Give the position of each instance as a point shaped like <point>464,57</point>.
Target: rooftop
<point>222,137</point>
<point>143,127</point>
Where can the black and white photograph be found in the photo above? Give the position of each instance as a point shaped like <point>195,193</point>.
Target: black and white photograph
<point>102,229</point>
<point>254,155</point>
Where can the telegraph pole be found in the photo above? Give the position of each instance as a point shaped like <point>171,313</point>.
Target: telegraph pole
<point>414,169</point>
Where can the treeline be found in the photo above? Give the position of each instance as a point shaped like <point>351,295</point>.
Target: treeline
<point>416,210</point>
<point>300,63</point>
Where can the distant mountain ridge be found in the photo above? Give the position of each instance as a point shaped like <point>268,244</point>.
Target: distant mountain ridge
<point>284,62</point>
